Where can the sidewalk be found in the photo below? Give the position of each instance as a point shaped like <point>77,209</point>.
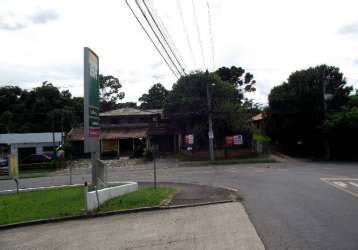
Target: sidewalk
<point>220,226</point>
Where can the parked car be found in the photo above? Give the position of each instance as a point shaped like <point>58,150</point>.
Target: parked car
<point>36,158</point>
<point>3,162</point>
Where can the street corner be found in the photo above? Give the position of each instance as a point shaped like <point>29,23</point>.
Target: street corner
<point>195,194</point>
<point>349,185</point>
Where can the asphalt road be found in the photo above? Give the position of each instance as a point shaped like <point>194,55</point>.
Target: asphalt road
<point>288,203</point>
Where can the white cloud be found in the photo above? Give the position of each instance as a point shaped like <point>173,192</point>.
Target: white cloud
<point>44,16</point>
<point>271,39</point>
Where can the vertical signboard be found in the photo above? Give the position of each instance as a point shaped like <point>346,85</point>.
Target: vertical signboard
<point>91,101</point>
<point>13,166</point>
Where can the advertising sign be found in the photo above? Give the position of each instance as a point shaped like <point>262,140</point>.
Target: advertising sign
<point>91,101</point>
<point>229,140</point>
<point>238,140</point>
<point>233,140</point>
<point>189,139</point>
<point>13,166</point>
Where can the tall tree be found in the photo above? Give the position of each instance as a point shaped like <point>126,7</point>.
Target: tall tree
<point>6,119</point>
<point>187,106</point>
<point>342,127</point>
<point>297,112</point>
<point>242,80</point>
<point>110,93</point>
<point>156,97</point>
<point>30,109</point>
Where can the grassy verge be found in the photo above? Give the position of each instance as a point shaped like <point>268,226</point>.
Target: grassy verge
<point>144,197</point>
<point>61,202</point>
<point>255,159</point>
<point>238,160</point>
<point>42,204</point>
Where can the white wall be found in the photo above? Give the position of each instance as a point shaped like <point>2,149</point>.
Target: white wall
<point>108,193</point>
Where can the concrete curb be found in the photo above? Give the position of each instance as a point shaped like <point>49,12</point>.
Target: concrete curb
<point>117,212</point>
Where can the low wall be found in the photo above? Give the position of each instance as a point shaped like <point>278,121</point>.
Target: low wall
<point>108,193</point>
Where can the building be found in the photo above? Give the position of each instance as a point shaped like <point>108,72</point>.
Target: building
<point>26,144</point>
<point>258,122</point>
<point>127,131</point>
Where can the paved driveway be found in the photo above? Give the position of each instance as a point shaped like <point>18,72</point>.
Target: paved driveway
<point>290,204</point>
<point>222,226</point>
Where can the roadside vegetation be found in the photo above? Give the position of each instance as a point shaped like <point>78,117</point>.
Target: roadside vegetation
<point>256,158</point>
<point>144,197</point>
<point>43,204</point>
<point>69,201</point>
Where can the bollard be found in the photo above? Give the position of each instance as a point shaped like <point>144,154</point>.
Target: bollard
<point>85,195</point>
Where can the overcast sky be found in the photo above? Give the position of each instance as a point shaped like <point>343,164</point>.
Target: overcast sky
<point>44,40</point>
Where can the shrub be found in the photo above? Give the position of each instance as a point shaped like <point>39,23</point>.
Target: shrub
<point>148,154</point>
<point>260,138</point>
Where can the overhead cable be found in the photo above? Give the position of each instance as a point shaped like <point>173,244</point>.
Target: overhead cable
<point>150,38</point>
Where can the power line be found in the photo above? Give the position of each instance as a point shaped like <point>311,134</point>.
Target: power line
<point>150,38</point>
<point>198,31</point>
<point>166,33</point>
<point>211,33</point>
<point>156,35</point>
<point>161,33</point>
<point>186,33</point>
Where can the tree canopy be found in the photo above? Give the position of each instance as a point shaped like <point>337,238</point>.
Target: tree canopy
<point>296,107</point>
<point>155,98</point>
<point>41,108</point>
<point>33,111</point>
<point>110,94</point>
<point>187,105</point>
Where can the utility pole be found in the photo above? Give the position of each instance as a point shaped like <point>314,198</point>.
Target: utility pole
<point>210,120</point>
<point>53,137</point>
<point>327,153</point>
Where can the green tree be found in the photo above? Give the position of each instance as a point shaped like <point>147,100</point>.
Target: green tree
<point>30,109</point>
<point>187,106</point>
<point>127,105</point>
<point>9,96</point>
<point>342,127</point>
<point>6,120</point>
<point>110,93</point>
<point>156,97</point>
<point>242,80</point>
<point>296,108</point>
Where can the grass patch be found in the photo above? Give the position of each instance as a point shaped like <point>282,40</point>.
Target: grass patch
<point>69,201</point>
<point>255,159</point>
<point>144,197</point>
<point>264,158</point>
<point>43,204</point>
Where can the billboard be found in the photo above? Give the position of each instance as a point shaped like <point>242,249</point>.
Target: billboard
<point>91,101</point>
<point>233,140</point>
<point>189,139</point>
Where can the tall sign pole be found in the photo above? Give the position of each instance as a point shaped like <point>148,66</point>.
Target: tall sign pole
<point>91,109</point>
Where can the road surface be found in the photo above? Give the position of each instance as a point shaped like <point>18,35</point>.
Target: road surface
<point>291,204</point>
